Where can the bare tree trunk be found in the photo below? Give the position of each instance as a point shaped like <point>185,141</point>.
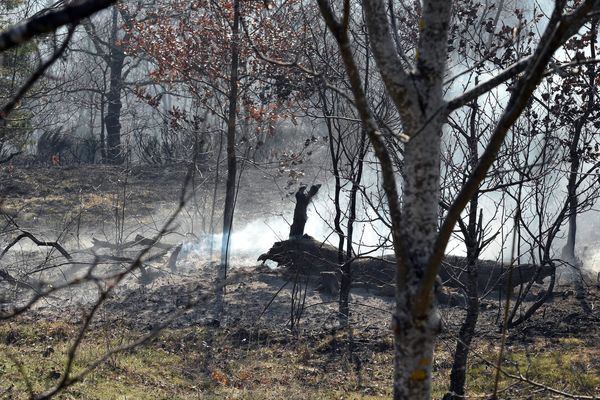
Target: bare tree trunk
<point>114,152</point>
<point>214,197</point>
<point>473,235</point>
<point>414,344</point>
<point>231,162</point>
<point>458,374</point>
<point>568,252</point>
<point>418,96</point>
<point>335,153</point>
<point>102,131</point>
<point>92,153</point>
<point>356,176</point>
<point>415,335</point>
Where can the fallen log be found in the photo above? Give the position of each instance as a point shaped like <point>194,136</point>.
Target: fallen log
<point>310,257</point>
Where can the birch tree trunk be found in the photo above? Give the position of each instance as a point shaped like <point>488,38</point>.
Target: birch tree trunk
<point>420,107</point>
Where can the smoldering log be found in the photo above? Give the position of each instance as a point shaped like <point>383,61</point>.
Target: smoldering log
<point>310,257</point>
<point>109,258</point>
<point>313,258</point>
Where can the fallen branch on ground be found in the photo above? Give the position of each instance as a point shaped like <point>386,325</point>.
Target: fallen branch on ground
<point>40,243</point>
<point>138,241</point>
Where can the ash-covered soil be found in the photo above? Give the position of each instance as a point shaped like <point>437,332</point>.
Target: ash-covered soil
<point>79,207</point>
<point>258,297</point>
<point>75,205</point>
<point>43,196</point>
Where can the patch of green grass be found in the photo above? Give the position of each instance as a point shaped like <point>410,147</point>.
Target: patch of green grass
<point>570,366</point>
<point>179,364</point>
<point>196,363</point>
<point>573,367</point>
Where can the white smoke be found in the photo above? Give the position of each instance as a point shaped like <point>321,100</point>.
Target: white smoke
<point>591,258</point>
<point>251,239</point>
<point>245,244</point>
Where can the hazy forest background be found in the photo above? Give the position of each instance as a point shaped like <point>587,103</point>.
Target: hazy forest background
<point>299,199</point>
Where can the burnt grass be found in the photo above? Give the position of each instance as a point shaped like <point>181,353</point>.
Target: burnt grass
<point>257,350</point>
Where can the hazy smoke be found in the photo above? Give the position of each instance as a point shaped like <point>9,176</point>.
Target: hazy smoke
<point>251,239</point>
<point>246,243</point>
<point>591,258</point>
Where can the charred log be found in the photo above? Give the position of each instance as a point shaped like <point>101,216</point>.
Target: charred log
<point>492,275</point>
<point>313,258</point>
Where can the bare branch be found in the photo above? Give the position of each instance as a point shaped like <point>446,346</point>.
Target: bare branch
<point>50,21</point>
<point>38,242</point>
<point>486,86</point>
<point>375,137</point>
<point>396,79</point>
<point>505,75</point>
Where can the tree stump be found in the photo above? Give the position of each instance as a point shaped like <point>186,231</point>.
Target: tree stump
<point>303,199</point>
<point>330,282</point>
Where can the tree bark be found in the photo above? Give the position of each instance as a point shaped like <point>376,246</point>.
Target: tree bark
<point>357,170</point>
<point>472,236</point>
<point>458,375</point>
<point>114,152</point>
<point>568,252</point>
<point>102,130</point>
<point>415,333</point>
<point>231,162</point>
<point>335,147</point>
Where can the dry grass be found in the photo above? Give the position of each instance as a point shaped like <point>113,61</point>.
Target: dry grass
<point>199,363</point>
